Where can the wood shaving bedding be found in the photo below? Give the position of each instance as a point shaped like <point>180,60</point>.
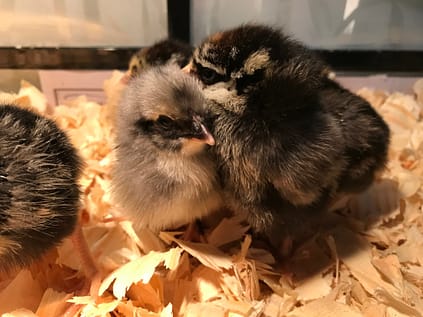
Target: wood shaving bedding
<point>369,262</point>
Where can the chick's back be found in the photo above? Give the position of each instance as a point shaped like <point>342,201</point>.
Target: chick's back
<point>365,133</point>
<point>39,194</point>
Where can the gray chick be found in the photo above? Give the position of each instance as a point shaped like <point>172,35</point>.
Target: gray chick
<point>39,194</point>
<point>163,175</point>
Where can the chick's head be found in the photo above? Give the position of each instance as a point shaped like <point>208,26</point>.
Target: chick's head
<point>164,108</point>
<point>236,64</point>
<point>239,57</point>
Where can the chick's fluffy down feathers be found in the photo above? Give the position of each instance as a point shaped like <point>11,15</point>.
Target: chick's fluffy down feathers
<point>163,52</point>
<point>39,195</point>
<point>156,185</point>
<point>288,138</point>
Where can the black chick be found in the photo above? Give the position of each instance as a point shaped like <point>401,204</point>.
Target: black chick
<point>166,51</point>
<point>163,176</point>
<point>39,194</point>
<point>288,139</point>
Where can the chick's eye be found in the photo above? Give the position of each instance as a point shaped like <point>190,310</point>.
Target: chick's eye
<point>164,121</point>
<point>208,76</point>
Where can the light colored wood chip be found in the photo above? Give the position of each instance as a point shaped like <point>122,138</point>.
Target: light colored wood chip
<point>141,269</point>
<point>324,307</point>
<point>207,254</point>
<point>22,292</point>
<point>228,230</point>
<point>53,303</point>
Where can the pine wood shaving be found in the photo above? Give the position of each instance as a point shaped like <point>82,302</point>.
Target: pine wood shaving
<point>325,307</point>
<point>413,274</point>
<point>374,310</point>
<point>390,269</point>
<point>277,306</point>
<point>52,303</point>
<point>92,309</point>
<point>21,312</point>
<point>141,269</point>
<point>228,230</point>
<point>355,253</point>
<point>22,292</point>
<point>368,262</point>
<point>207,254</point>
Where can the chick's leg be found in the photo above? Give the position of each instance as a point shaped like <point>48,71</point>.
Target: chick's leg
<point>194,232</point>
<point>280,224</point>
<point>88,265</point>
<point>93,278</point>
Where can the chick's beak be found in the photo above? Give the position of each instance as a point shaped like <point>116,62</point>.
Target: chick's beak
<point>208,138</point>
<point>204,134</point>
<point>188,68</point>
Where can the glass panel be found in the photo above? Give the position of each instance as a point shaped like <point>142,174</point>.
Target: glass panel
<point>82,23</point>
<point>321,24</point>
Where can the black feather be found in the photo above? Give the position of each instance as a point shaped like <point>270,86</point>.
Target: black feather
<point>161,53</point>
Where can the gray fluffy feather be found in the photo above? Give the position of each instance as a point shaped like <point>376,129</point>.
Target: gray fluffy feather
<point>161,183</point>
